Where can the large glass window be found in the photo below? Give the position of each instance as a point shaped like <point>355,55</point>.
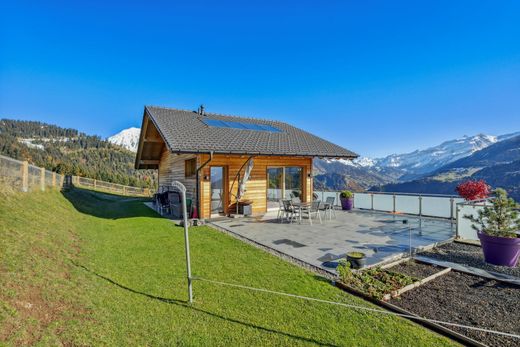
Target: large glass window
<point>283,183</point>
<point>274,186</point>
<point>217,189</point>
<point>293,182</point>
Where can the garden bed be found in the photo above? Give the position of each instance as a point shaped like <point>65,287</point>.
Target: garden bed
<point>376,283</point>
<point>416,269</point>
<point>466,299</point>
<point>468,255</point>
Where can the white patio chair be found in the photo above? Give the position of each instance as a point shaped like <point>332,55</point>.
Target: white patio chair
<point>328,207</point>
<point>290,212</point>
<point>281,210</point>
<point>310,210</point>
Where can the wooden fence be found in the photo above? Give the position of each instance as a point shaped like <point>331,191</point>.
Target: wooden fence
<point>22,176</point>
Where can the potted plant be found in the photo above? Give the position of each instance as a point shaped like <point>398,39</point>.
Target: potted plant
<point>356,259</point>
<point>346,200</point>
<point>497,228</point>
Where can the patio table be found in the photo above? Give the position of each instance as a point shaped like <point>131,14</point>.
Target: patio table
<point>301,205</point>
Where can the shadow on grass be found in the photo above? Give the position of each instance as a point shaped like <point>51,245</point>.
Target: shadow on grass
<point>107,205</point>
<point>186,304</point>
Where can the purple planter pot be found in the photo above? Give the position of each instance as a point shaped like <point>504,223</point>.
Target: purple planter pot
<point>346,204</point>
<point>503,251</point>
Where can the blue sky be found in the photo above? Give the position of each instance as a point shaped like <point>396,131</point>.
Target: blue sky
<point>377,77</point>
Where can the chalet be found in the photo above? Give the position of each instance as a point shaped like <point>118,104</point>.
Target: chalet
<point>210,153</point>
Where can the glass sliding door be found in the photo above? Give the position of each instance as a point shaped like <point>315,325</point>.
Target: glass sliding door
<point>283,183</point>
<point>293,182</point>
<point>274,186</point>
<point>217,189</point>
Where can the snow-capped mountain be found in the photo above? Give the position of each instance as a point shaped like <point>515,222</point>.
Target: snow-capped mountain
<point>408,166</point>
<point>420,162</point>
<point>128,138</point>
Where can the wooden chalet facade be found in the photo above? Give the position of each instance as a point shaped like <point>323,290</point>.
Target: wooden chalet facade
<point>208,153</point>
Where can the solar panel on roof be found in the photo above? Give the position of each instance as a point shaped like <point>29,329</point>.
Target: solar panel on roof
<point>240,125</point>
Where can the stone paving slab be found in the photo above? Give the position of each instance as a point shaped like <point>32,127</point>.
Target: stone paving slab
<point>381,236</point>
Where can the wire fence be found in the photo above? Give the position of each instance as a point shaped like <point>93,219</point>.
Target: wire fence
<point>110,187</point>
<point>22,176</point>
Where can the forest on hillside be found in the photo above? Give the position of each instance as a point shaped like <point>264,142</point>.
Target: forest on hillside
<point>68,151</point>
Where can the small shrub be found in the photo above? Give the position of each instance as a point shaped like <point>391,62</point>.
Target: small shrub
<point>473,190</point>
<point>346,194</point>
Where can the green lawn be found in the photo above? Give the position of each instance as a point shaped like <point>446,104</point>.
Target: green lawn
<point>86,268</point>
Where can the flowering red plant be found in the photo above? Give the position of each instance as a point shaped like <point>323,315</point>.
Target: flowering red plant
<point>473,190</point>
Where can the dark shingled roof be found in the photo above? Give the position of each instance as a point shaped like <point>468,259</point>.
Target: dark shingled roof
<point>185,131</point>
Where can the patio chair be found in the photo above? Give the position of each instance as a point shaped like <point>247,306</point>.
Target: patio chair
<point>163,203</point>
<point>295,198</point>
<point>328,207</point>
<point>289,211</point>
<point>310,210</point>
<point>281,210</point>
<point>174,200</point>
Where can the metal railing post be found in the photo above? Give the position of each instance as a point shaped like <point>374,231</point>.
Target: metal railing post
<point>420,205</point>
<point>393,198</point>
<point>457,222</point>
<point>451,209</point>
<point>372,200</point>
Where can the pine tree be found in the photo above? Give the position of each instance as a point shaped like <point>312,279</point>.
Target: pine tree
<point>500,219</point>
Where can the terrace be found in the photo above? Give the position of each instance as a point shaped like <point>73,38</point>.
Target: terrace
<point>385,227</point>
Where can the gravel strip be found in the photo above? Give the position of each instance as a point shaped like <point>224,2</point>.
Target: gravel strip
<point>468,255</point>
<point>416,269</point>
<point>470,300</point>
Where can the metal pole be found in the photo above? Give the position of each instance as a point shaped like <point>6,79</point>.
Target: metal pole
<point>410,237</point>
<point>187,244</point>
<point>457,222</point>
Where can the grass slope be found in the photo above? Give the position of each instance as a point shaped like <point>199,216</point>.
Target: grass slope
<point>86,268</point>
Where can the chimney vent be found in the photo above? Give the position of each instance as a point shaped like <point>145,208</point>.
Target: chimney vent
<point>201,110</point>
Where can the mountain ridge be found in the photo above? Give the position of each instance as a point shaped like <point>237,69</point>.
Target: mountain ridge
<point>498,165</point>
<point>365,172</point>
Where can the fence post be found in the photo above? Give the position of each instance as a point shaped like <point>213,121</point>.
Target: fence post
<point>42,179</point>
<point>372,200</point>
<point>54,179</point>
<point>124,190</point>
<point>25,176</point>
<point>393,198</point>
<point>420,205</point>
<point>95,183</point>
<point>451,208</point>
